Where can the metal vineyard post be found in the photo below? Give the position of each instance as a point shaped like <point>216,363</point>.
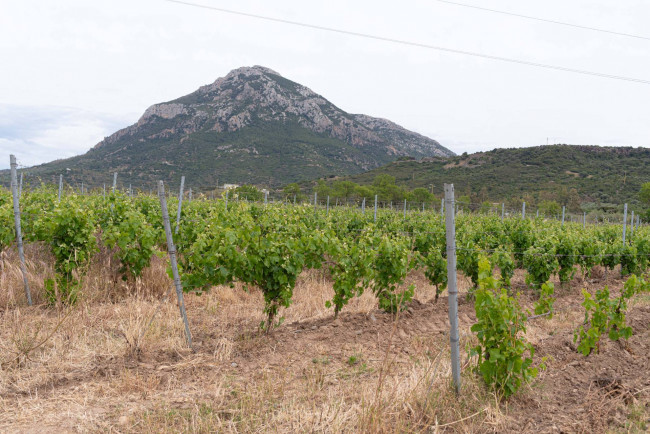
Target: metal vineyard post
<point>454,338</point>
<point>624,222</point>
<point>60,186</point>
<point>375,208</point>
<point>19,235</point>
<point>171,249</point>
<point>180,204</point>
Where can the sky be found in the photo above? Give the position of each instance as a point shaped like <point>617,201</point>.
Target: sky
<point>76,71</point>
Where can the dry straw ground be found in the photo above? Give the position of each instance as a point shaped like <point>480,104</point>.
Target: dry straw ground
<point>117,362</point>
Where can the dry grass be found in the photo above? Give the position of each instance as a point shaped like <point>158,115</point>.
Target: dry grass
<point>117,361</point>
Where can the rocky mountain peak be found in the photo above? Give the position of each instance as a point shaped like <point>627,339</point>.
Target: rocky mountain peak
<point>276,113</point>
<point>248,71</point>
<point>249,95</point>
<point>252,81</point>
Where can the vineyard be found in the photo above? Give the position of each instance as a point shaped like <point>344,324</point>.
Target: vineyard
<point>514,272</point>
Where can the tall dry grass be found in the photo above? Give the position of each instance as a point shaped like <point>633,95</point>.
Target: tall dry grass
<point>117,361</point>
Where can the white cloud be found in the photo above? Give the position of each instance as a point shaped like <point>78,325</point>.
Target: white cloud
<point>111,60</point>
<point>44,133</point>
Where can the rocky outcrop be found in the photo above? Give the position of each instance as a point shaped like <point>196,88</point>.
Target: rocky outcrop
<point>165,111</point>
<point>250,95</point>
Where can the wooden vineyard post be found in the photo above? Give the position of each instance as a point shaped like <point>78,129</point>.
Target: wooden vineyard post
<point>171,250</point>
<point>503,210</point>
<point>363,206</point>
<point>404,208</point>
<point>563,210</point>
<point>454,338</point>
<point>328,206</point>
<point>114,181</point>
<point>180,204</point>
<point>523,210</point>
<point>19,235</point>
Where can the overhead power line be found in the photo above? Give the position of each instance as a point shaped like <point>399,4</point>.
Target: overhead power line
<point>545,20</point>
<point>414,44</point>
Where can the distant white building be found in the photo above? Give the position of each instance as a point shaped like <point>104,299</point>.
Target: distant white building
<point>230,186</point>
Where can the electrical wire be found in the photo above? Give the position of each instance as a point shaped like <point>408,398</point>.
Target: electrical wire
<point>545,20</point>
<point>415,44</point>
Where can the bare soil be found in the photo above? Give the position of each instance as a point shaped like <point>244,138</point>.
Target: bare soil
<point>121,364</point>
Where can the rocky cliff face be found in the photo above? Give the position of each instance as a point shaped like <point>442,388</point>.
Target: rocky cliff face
<point>250,95</point>
<point>251,126</point>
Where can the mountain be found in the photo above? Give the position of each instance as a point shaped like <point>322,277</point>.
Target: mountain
<point>251,126</point>
<point>602,175</point>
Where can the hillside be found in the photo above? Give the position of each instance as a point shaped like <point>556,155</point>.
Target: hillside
<point>251,126</point>
<point>598,174</point>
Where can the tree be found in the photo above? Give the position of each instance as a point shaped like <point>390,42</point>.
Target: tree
<point>482,195</point>
<point>530,200</point>
<point>421,195</point>
<point>248,192</point>
<point>573,200</point>
<point>344,189</point>
<point>362,191</point>
<point>386,189</point>
<point>291,189</point>
<point>644,193</point>
<point>322,189</point>
<point>383,180</point>
<point>549,207</point>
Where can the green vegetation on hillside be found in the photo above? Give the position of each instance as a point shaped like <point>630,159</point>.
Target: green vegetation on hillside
<point>582,178</point>
<point>383,186</point>
<point>579,177</point>
<point>268,154</point>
